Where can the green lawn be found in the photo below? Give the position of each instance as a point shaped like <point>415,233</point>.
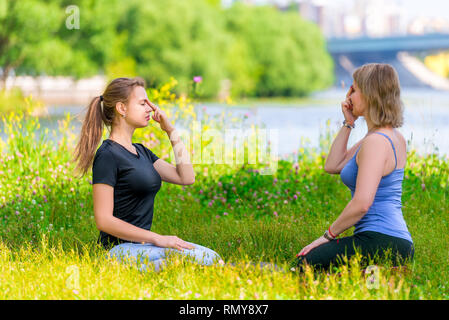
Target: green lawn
<point>48,234</point>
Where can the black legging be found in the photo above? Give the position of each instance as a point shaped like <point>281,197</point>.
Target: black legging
<point>369,244</point>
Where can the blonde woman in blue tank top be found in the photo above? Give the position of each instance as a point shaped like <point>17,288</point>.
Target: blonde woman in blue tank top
<point>373,170</point>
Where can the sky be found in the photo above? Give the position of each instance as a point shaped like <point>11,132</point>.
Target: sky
<point>413,8</point>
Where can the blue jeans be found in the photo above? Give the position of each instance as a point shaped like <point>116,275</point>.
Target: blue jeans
<point>148,254</point>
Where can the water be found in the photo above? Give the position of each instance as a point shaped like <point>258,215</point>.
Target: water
<point>426,119</point>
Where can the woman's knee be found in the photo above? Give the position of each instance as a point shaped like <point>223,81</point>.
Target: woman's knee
<point>122,253</point>
<point>205,256</point>
<point>136,252</point>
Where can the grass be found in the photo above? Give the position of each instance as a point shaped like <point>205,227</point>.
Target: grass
<point>48,234</point>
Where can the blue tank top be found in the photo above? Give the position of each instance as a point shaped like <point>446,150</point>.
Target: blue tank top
<point>385,214</point>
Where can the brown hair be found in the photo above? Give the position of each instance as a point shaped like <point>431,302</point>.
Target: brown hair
<point>100,113</point>
<point>379,84</point>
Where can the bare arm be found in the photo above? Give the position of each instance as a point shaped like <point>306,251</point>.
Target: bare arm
<point>372,156</point>
<point>372,159</point>
<point>103,198</point>
<point>183,172</point>
<point>339,153</point>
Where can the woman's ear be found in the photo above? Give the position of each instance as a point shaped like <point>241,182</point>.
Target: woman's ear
<point>121,108</point>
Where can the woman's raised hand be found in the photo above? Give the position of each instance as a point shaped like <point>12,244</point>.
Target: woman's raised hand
<point>346,108</point>
<point>160,117</point>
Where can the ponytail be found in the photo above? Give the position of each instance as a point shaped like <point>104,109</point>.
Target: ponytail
<point>91,133</point>
<point>101,111</point>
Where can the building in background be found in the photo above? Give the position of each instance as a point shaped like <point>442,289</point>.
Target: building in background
<point>359,18</point>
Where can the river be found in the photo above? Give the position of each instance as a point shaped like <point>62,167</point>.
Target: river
<point>426,119</point>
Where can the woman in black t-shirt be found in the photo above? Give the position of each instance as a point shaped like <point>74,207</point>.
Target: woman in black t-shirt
<point>126,176</point>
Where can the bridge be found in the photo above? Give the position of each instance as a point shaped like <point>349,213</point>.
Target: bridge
<point>398,51</point>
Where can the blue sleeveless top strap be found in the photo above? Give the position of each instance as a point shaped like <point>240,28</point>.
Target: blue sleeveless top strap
<point>394,150</point>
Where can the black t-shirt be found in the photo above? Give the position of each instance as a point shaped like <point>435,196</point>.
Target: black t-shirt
<point>135,183</point>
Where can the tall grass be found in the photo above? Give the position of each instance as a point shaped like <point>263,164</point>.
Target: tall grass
<point>48,236</point>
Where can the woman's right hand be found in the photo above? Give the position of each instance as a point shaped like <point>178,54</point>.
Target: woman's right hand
<point>172,242</point>
<point>346,108</point>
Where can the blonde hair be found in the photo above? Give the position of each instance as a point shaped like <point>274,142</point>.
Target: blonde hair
<point>100,112</point>
<point>379,85</point>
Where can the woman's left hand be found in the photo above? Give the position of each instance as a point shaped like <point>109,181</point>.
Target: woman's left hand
<point>318,242</point>
<point>161,117</point>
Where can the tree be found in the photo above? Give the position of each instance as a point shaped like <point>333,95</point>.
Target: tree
<point>286,55</point>
<point>35,37</point>
<point>180,39</point>
<point>28,42</point>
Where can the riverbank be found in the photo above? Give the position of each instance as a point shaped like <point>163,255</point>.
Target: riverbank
<point>58,90</point>
<point>300,123</point>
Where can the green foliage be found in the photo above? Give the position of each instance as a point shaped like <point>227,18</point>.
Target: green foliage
<point>176,38</point>
<point>264,52</point>
<point>13,100</point>
<point>287,54</point>
<point>30,43</point>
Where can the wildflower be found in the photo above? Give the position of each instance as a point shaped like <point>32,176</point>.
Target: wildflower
<point>295,197</point>
<point>17,212</point>
<point>197,79</point>
<point>225,213</point>
<point>285,201</point>
<point>201,191</point>
<point>423,187</point>
<point>275,213</point>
